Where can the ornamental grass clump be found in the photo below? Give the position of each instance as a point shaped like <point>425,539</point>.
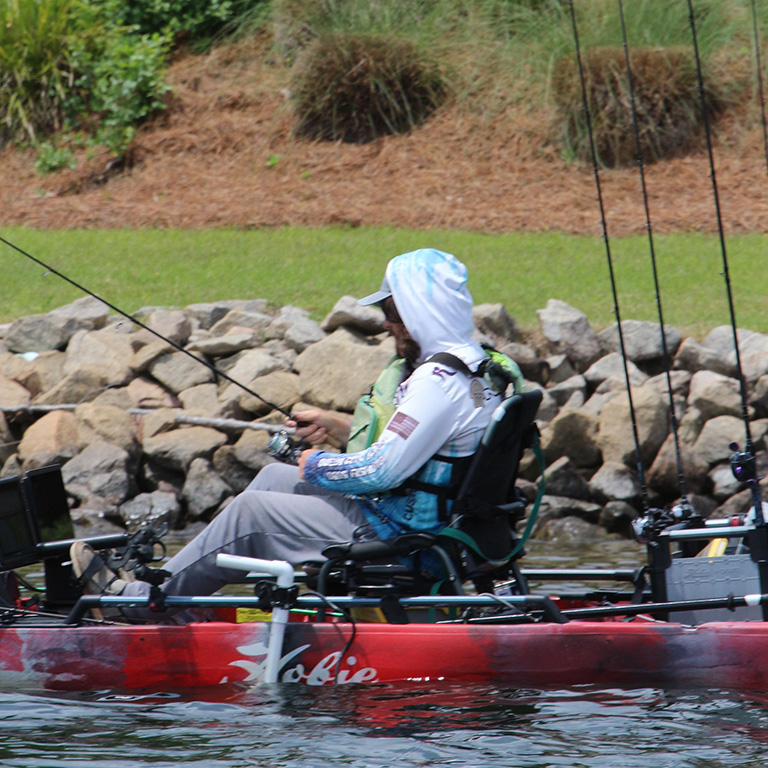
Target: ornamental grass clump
<point>36,70</point>
<point>356,87</point>
<point>667,104</point>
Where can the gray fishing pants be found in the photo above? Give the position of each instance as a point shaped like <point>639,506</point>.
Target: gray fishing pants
<point>278,517</point>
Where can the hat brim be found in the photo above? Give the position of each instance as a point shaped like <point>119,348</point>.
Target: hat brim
<point>374,298</point>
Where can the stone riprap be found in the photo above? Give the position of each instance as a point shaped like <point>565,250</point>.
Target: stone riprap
<point>143,430</point>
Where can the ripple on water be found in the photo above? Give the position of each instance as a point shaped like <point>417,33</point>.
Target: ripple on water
<point>404,725</point>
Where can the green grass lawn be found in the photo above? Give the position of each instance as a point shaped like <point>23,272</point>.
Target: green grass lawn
<point>313,268</point>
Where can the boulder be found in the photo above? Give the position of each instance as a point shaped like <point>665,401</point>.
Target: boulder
<point>615,482</point>
<point>348,313</point>
<point>256,321</point>
<point>642,340</point>
<point>693,356</point>
<point>564,479</point>
<point>179,448</point>
<point>202,400</point>
<point>569,332</point>
<point>80,386</point>
<point>570,531</point>
<point>13,394</point>
<point>280,388</point>
<point>573,434</point>
<point>203,489</point>
<point>37,333</point>
<point>109,424</point>
<point>616,438</point>
<point>617,517</point>
<point>494,320</point>
<point>52,439</point>
<point>109,352</point>
<point>612,366</point>
<point>177,371</point>
<point>713,394</point>
<point>156,507</point>
<point>237,476</point>
<point>100,476</point>
<point>7,441</point>
<point>664,476</point>
<point>234,341</point>
<point>562,392</point>
<point>354,366</point>
<point>713,443</point>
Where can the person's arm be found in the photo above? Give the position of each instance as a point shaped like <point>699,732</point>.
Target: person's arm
<point>319,426</point>
<point>421,425</point>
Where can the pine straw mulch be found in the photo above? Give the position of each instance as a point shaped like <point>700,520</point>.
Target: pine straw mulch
<point>205,163</point>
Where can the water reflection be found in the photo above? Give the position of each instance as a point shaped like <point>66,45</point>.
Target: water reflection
<point>406,725</point>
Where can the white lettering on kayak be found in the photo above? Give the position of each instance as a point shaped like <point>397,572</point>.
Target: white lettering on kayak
<point>323,672</point>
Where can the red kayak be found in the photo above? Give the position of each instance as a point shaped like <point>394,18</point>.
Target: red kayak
<point>606,653</point>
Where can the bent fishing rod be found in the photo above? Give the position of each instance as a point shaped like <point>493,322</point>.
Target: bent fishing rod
<point>743,463</point>
<point>172,343</point>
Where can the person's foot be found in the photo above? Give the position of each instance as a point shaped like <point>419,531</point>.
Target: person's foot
<point>93,574</point>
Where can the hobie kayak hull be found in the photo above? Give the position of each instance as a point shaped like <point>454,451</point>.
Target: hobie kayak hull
<point>156,658</point>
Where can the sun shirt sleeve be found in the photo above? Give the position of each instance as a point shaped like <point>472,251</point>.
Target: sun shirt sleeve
<point>423,422</point>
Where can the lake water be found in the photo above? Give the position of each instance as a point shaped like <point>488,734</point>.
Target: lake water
<point>394,725</point>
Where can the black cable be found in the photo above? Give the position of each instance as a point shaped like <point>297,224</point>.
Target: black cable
<point>641,168</point>
<point>350,619</point>
<point>176,346</point>
<point>616,311</point>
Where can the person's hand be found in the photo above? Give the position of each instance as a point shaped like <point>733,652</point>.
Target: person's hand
<point>311,425</point>
<point>316,426</point>
<point>303,460</point>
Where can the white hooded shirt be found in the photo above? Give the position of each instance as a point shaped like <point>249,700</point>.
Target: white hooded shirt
<point>440,412</point>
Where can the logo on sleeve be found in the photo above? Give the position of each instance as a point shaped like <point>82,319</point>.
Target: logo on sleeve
<point>403,425</point>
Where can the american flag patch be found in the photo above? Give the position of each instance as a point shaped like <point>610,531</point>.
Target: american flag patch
<point>403,425</point>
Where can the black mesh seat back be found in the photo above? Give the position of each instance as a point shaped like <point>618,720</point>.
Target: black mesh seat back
<point>489,483</point>
<point>493,470</point>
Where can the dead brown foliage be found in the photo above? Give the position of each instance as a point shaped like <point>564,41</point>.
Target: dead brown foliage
<point>206,163</point>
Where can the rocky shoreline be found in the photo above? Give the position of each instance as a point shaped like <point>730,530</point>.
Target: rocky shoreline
<point>142,430</point>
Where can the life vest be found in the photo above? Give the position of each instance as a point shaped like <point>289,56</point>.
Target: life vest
<point>376,408</point>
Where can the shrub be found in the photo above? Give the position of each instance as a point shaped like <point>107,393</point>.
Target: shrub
<point>667,104</point>
<point>356,87</point>
<point>121,79</point>
<point>194,21</point>
<point>36,72</point>
<point>52,158</point>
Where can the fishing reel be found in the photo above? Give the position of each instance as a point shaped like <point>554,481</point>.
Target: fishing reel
<point>647,528</point>
<point>743,464</point>
<point>283,448</point>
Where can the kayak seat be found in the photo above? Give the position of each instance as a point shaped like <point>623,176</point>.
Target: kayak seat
<point>479,543</point>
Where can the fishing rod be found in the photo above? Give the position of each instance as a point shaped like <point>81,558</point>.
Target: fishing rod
<point>743,463</point>
<point>172,343</point>
<point>654,269</point>
<point>759,73</point>
<point>603,222</point>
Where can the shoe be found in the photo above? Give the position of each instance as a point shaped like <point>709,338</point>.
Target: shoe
<point>94,575</point>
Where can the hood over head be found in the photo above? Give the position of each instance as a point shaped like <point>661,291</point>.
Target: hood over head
<point>429,288</point>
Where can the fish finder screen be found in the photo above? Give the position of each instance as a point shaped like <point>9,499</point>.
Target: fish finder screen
<point>47,499</point>
<point>18,543</point>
